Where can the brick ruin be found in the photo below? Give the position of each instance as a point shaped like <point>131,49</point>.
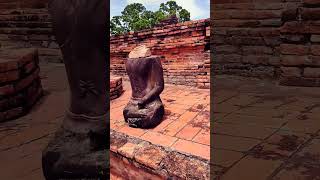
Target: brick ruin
<point>20,85</point>
<point>275,40</point>
<point>25,24</point>
<point>184,48</point>
<point>116,88</point>
<point>25,33</point>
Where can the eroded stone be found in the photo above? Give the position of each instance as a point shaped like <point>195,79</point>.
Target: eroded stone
<point>145,108</point>
<point>140,52</point>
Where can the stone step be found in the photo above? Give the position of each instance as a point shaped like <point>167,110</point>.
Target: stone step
<point>25,17</point>
<point>25,24</point>
<point>26,31</point>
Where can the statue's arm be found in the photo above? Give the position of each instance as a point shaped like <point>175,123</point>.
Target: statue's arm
<point>157,73</point>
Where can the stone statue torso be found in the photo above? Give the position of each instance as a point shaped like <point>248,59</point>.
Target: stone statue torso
<point>140,74</point>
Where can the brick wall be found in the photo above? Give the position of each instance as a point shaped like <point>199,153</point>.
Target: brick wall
<point>25,24</point>
<point>20,85</point>
<point>300,48</point>
<point>263,39</point>
<point>14,4</point>
<point>184,48</point>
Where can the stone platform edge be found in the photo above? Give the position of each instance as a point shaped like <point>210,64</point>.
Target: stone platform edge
<point>154,160</point>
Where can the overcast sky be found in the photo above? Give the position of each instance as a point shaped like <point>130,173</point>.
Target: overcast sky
<point>199,9</point>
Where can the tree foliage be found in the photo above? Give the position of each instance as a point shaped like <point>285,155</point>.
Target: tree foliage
<point>136,17</point>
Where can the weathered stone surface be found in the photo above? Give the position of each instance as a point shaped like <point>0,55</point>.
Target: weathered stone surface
<point>143,160</point>
<point>145,108</point>
<point>71,155</point>
<point>140,51</point>
<point>79,147</point>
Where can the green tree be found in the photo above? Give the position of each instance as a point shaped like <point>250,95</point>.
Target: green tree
<point>116,26</point>
<point>135,17</point>
<point>172,8</point>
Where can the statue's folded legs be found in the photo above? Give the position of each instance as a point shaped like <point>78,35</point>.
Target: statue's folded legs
<point>80,28</point>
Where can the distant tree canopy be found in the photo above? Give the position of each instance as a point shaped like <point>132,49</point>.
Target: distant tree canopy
<point>136,17</point>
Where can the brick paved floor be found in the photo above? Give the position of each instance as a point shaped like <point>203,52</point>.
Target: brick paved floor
<point>264,131</point>
<point>261,130</point>
<point>185,127</point>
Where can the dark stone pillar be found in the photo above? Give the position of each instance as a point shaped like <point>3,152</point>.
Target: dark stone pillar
<point>79,148</point>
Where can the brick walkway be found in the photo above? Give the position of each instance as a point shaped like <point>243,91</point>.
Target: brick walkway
<point>185,127</point>
<point>264,131</point>
<point>261,130</point>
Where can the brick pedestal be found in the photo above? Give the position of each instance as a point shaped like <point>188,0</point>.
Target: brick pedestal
<point>116,88</point>
<point>20,85</point>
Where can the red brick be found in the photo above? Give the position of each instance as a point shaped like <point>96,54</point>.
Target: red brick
<point>150,156</point>
<point>310,13</point>
<point>311,2</point>
<point>25,82</point>
<point>294,28</point>
<point>128,150</point>
<point>8,66</point>
<point>203,137</point>
<point>132,131</point>
<point>159,139</point>
<point>294,49</point>
<point>192,148</point>
<point>177,125</point>
<point>315,50</point>
<point>9,76</point>
<point>6,90</point>
<point>291,60</point>
<point>291,71</point>
<point>188,132</point>
<point>311,72</point>
<point>165,122</point>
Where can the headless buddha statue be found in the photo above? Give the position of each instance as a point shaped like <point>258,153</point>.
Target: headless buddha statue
<point>145,108</point>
